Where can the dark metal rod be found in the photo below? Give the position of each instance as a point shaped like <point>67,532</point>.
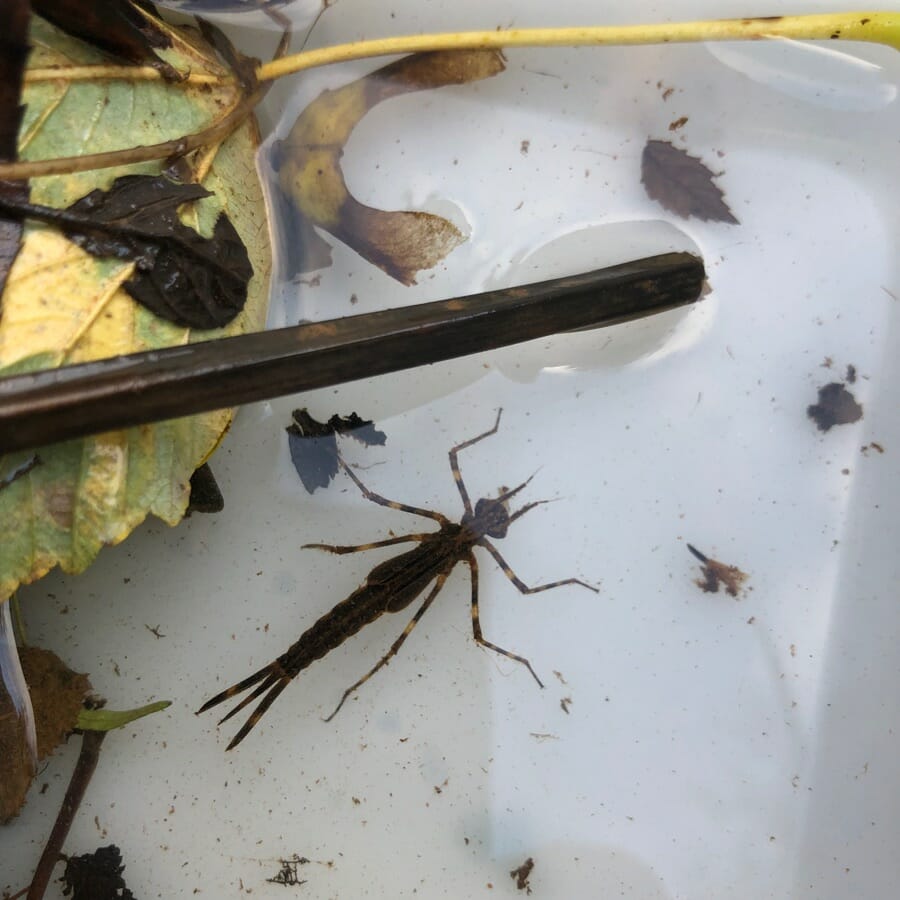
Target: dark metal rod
<point>73,401</point>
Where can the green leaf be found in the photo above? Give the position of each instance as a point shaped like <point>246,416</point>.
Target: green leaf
<point>107,719</point>
<point>61,305</point>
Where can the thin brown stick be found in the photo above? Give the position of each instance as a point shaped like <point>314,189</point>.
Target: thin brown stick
<point>81,776</point>
<point>172,149</point>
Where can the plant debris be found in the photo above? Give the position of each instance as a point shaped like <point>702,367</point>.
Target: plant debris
<point>312,183</point>
<point>206,496</point>
<point>181,276</point>
<point>682,183</point>
<point>115,26</point>
<point>522,874</point>
<point>14,17</point>
<point>716,573</point>
<point>96,876</point>
<point>313,444</point>
<point>836,406</point>
<point>57,694</point>
<point>289,873</point>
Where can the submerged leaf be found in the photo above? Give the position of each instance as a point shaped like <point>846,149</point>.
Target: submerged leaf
<point>14,17</point>
<point>836,406</point>
<point>116,26</point>
<point>62,305</point>
<point>682,183</point>
<point>310,177</point>
<point>313,444</point>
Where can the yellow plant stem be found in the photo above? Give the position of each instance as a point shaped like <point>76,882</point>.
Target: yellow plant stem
<point>874,27</point>
<point>877,27</point>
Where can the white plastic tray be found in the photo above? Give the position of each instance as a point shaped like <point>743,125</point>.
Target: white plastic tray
<point>713,747</point>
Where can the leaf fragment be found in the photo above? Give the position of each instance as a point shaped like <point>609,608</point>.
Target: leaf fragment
<point>313,444</point>
<point>836,406</point>
<point>179,274</point>
<point>682,183</point>
<point>309,174</point>
<point>102,719</point>
<point>716,574</point>
<point>96,876</point>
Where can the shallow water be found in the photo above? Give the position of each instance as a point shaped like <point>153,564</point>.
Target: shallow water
<point>711,746</point>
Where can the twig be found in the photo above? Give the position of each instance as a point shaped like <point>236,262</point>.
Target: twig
<point>84,769</point>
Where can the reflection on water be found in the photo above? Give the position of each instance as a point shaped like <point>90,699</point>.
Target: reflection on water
<point>820,75</point>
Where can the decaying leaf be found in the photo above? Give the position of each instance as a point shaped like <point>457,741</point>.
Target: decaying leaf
<point>682,183</point>
<point>716,574</point>
<point>206,496</point>
<point>310,177</point>
<point>13,51</point>
<point>63,305</point>
<point>182,276</point>
<point>96,876</point>
<point>57,694</point>
<point>313,444</point>
<point>521,875</point>
<point>117,26</point>
<point>836,406</point>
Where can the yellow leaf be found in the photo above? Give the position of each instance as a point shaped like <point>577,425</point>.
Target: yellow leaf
<point>61,305</point>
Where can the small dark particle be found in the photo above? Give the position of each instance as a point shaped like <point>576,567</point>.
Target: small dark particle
<point>836,406</point>
<point>850,377</point>
<point>678,123</point>
<point>716,573</point>
<point>564,704</point>
<point>154,631</point>
<point>521,875</point>
<point>523,147</point>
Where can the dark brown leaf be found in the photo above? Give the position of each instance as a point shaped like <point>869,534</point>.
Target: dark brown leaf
<point>96,876</point>
<point>180,275</point>
<point>836,406</point>
<point>206,496</point>
<point>682,183</point>
<point>14,15</point>
<point>313,444</point>
<point>116,26</point>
